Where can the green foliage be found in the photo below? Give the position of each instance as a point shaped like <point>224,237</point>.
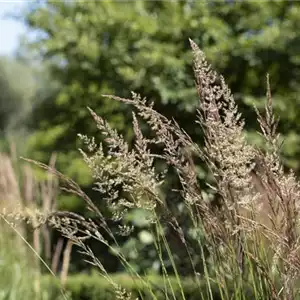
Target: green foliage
<point>95,287</point>
<point>101,47</point>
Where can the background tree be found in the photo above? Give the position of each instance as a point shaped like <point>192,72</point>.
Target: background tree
<point>18,88</point>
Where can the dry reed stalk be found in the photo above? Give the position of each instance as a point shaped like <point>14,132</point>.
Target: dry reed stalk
<point>66,262</point>
<point>27,198</point>
<point>56,255</point>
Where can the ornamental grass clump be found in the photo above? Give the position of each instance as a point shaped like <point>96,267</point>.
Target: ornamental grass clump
<point>246,245</point>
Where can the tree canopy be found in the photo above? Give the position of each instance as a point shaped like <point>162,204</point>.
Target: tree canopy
<point>114,47</point>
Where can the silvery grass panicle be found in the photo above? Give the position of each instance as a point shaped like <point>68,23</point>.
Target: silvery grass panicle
<point>283,198</point>
<point>233,162</point>
<point>226,152</point>
<point>229,157</point>
<point>119,171</point>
